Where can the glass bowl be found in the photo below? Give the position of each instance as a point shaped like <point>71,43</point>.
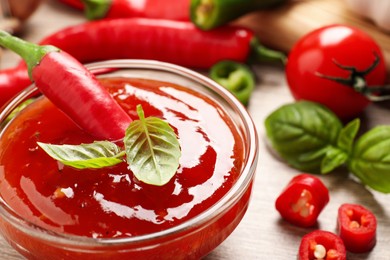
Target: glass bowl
<point>192,239</point>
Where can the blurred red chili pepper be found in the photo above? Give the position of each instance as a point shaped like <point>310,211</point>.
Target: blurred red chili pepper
<point>12,81</point>
<point>85,101</point>
<point>357,228</point>
<point>74,3</point>
<point>168,9</point>
<point>302,200</point>
<point>141,38</point>
<point>321,244</point>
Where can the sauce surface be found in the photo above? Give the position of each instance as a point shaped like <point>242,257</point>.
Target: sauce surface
<point>111,202</point>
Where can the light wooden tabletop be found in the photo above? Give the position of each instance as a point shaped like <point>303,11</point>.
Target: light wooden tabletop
<point>261,234</point>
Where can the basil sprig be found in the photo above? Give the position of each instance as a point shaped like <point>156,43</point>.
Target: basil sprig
<point>370,158</point>
<point>311,138</point>
<point>151,147</point>
<point>93,156</point>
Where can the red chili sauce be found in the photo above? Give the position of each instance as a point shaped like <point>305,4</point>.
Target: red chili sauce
<point>111,202</point>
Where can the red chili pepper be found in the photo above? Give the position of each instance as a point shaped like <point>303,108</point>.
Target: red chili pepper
<point>168,9</point>
<point>72,88</point>
<point>302,200</point>
<point>74,3</point>
<point>140,38</point>
<point>357,228</point>
<point>12,81</point>
<point>321,244</point>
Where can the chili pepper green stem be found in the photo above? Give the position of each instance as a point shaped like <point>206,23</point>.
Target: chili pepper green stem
<point>376,93</point>
<point>96,9</point>
<point>31,53</point>
<point>260,53</point>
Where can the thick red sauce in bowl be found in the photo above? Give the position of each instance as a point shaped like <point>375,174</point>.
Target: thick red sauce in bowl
<point>111,202</point>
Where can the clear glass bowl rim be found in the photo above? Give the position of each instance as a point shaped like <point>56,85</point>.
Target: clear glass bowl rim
<point>238,189</point>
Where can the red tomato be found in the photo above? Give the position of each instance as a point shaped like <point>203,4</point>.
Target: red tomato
<point>335,51</point>
<point>302,200</point>
<point>321,244</point>
<point>357,228</point>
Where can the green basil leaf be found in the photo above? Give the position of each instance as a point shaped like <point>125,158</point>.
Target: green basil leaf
<point>370,159</point>
<point>347,135</point>
<point>302,133</point>
<point>152,149</point>
<point>95,155</point>
<point>334,158</point>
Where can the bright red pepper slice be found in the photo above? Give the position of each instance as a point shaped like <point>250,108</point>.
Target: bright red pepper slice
<point>357,227</point>
<point>321,244</point>
<point>302,200</point>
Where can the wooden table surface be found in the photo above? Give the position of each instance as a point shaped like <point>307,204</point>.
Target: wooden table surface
<point>261,234</point>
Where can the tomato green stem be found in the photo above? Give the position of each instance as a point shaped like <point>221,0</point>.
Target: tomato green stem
<point>377,93</point>
<point>31,53</point>
<point>209,14</point>
<point>235,77</point>
<point>96,9</point>
<point>357,81</point>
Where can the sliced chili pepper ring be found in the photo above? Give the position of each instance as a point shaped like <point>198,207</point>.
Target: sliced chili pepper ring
<point>321,244</point>
<point>357,227</point>
<point>235,77</point>
<point>302,200</point>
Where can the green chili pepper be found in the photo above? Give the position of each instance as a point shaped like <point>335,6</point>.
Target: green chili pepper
<point>208,14</point>
<point>235,77</point>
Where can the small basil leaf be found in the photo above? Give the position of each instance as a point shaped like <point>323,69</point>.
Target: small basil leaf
<point>347,135</point>
<point>95,155</point>
<point>334,158</point>
<point>302,132</point>
<point>370,159</point>
<point>152,149</point>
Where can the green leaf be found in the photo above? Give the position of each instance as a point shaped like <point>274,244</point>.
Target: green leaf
<point>95,155</point>
<point>152,149</point>
<point>370,159</point>
<point>334,158</point>
<point>347,135</point>
<point>302,133</point>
